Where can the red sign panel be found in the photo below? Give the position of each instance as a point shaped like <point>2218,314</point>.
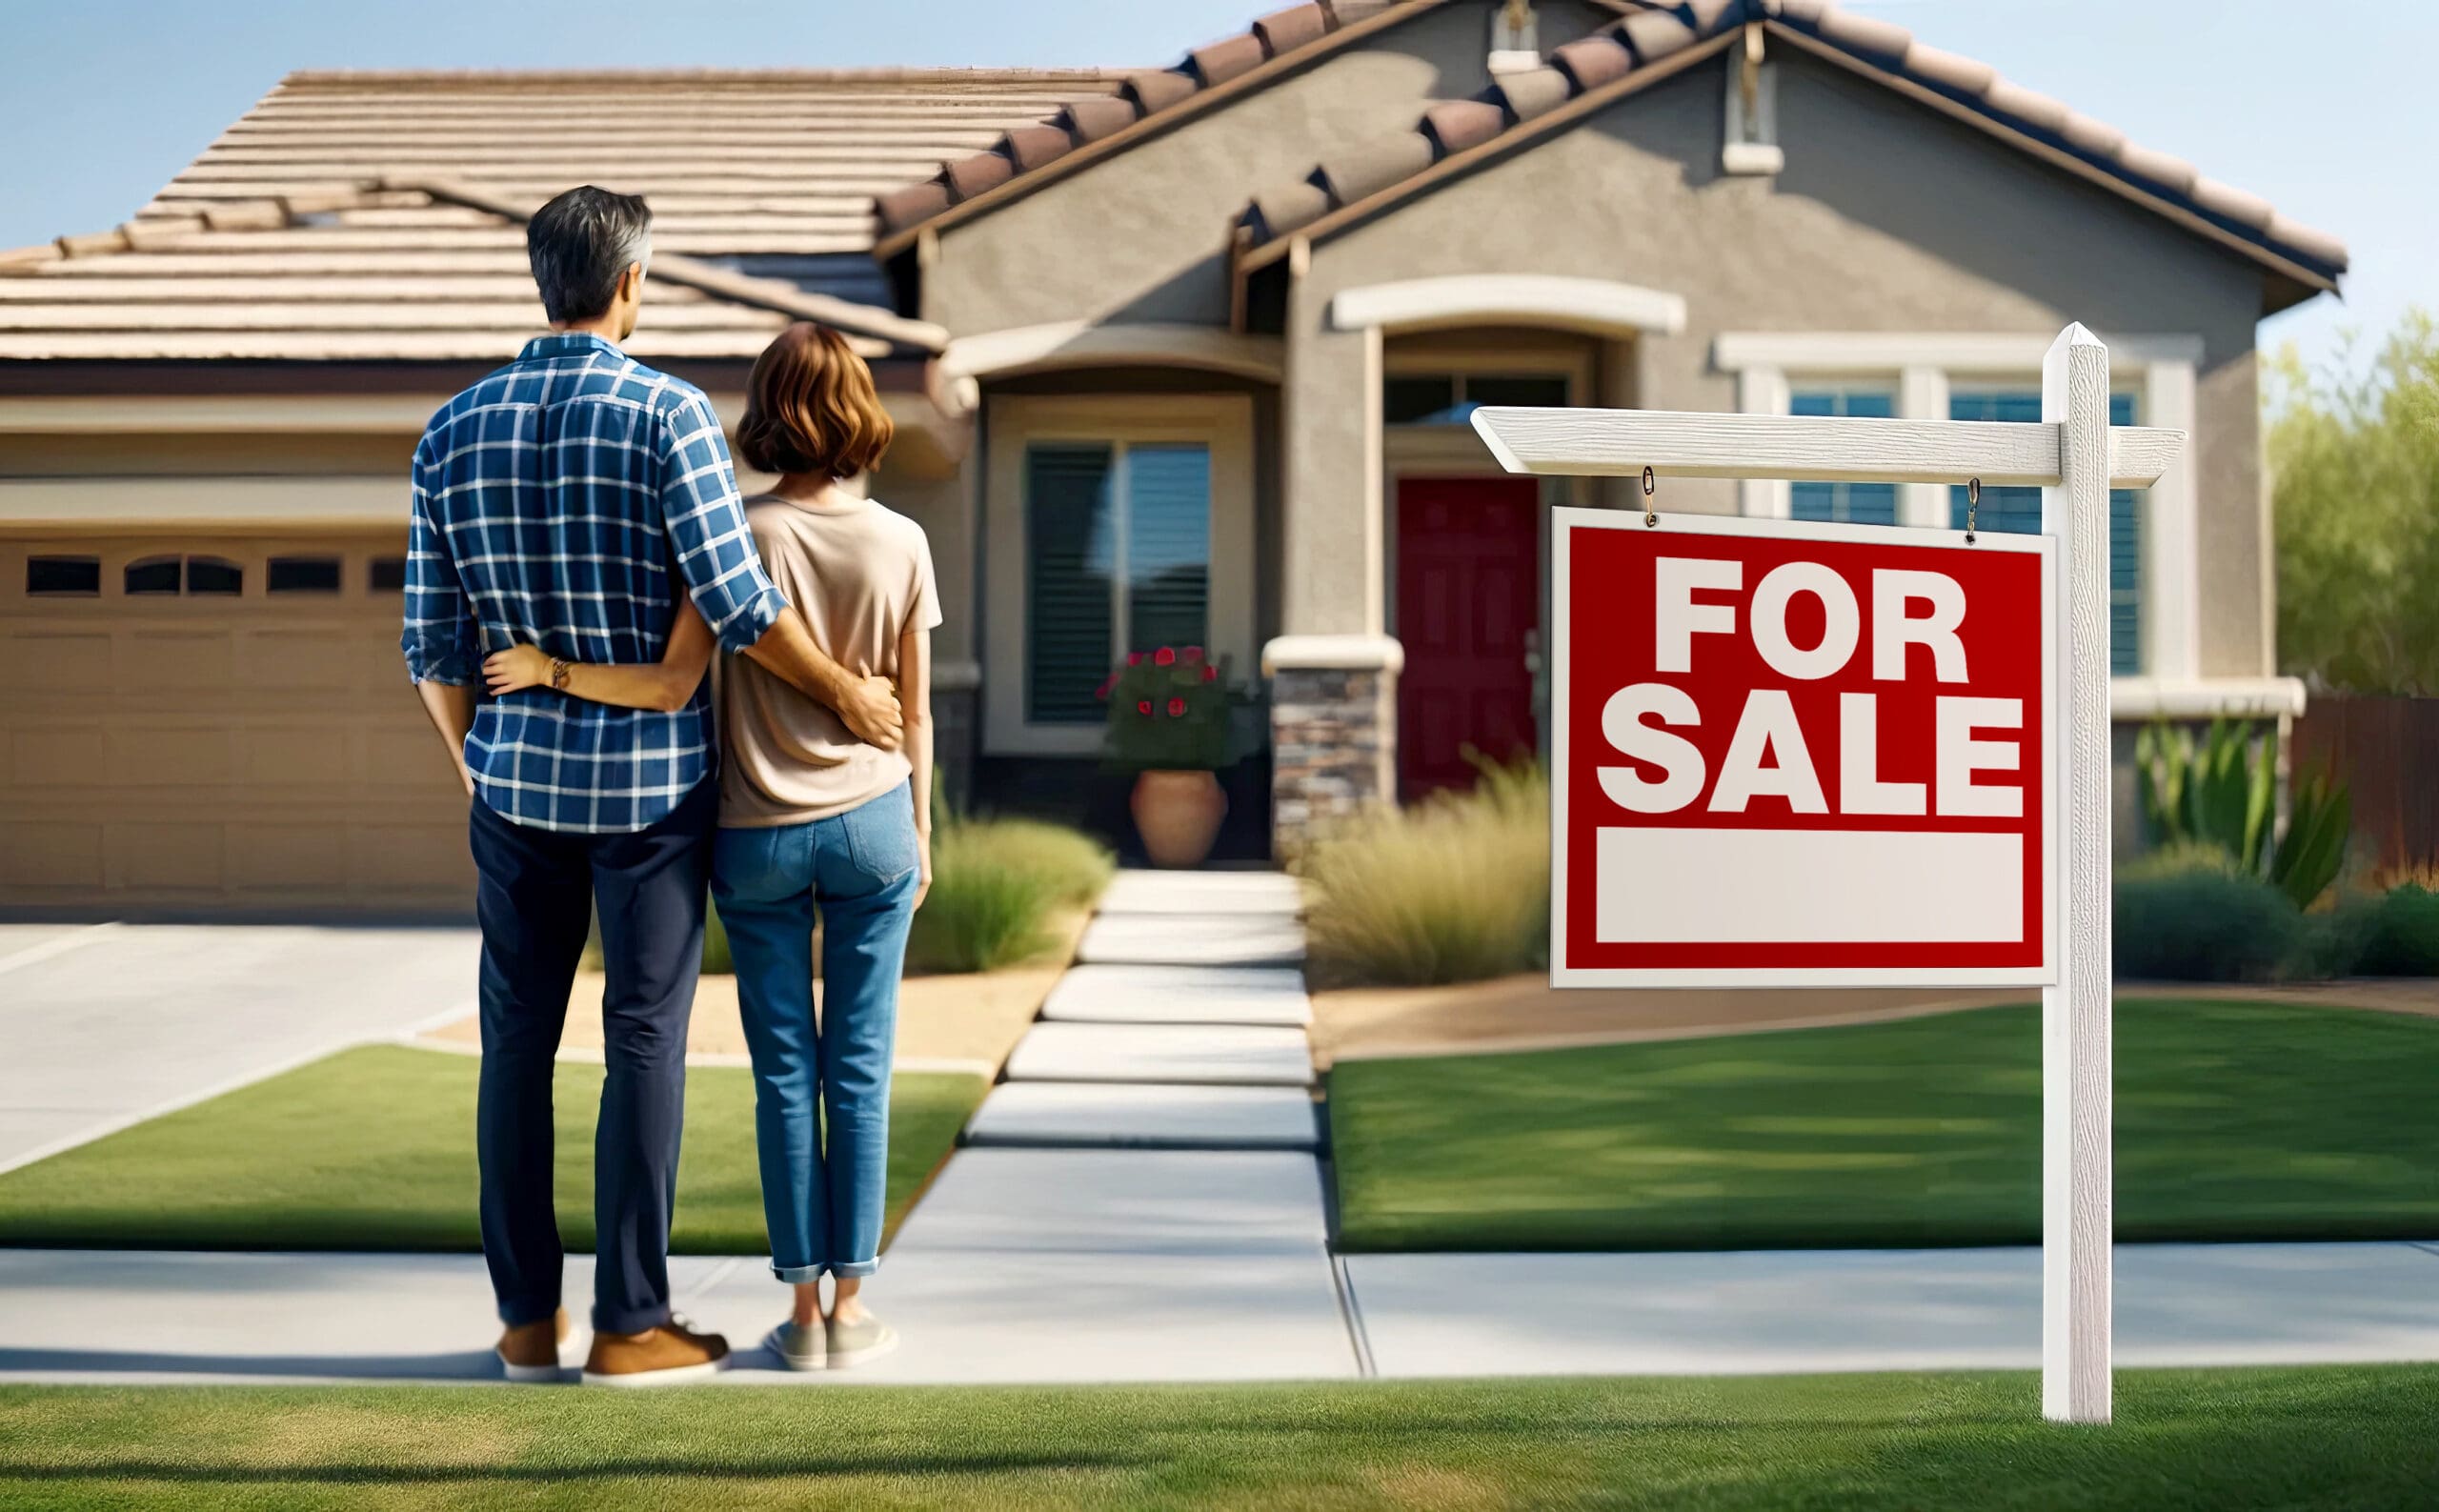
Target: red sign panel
<point>1799,754</point>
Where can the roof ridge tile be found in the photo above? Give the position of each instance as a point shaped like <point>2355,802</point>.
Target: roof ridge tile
<point>1618,50</point>
<point>1270,38</point>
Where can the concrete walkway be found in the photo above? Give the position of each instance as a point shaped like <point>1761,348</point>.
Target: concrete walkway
<point>109,1025</point>
<point>1130,1283</point>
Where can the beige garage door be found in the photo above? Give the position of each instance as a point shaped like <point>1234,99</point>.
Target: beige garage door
<point>218,725</point>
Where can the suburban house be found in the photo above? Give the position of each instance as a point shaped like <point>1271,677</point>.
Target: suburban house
<point>1181,355</point>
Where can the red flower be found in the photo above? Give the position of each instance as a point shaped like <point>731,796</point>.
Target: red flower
<point>1194,653</point>
<point>1107,683</point>
<point>1177,708</point>
<point>1210,674</point>
<point>1134,658</point>
<point>1165,658</point>
<point>1143,707</point>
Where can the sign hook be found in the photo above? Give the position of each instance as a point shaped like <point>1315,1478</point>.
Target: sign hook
<point>1972,502</point>
<point>1650,486</point>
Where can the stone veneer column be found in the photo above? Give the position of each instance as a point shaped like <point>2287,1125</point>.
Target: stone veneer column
<point>1333,731</point>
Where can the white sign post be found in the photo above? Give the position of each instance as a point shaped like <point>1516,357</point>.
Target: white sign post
<point>2075,457</point>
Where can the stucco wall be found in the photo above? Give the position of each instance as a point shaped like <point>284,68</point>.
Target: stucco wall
<point>1142,235</point>
<point>1888,218</point>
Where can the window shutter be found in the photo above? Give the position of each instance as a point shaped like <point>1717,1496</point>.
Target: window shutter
<point>1070,541</point>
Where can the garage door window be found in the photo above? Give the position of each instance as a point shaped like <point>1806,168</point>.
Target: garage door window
<point>156,577</point>
<point>302,574</point>
<point>63,577</point>
<point>389,575</point>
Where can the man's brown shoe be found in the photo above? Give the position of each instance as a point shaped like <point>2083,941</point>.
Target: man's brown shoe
<point>531,1351</point>
<point>657,1357</point>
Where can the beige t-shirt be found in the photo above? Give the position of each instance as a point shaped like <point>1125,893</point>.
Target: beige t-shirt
<point>861,575</point>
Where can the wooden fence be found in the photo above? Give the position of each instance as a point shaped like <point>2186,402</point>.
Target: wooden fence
<point>2387,752</point>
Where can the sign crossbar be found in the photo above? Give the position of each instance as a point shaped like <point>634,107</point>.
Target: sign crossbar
<point>1804,448</point>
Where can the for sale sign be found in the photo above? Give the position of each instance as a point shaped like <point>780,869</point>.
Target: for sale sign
<point>1790,753</point>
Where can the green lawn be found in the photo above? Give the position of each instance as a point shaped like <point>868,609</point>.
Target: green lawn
<point>2233,1121</point>
<point>373,1149</point>
<point>2222,1440</point>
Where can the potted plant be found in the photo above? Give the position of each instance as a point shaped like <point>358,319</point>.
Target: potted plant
<point>1171,718</point>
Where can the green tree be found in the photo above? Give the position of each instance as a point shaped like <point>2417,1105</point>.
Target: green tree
<point>2354,479</point>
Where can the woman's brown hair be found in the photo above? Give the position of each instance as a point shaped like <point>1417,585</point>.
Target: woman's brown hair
<point>811,407</point>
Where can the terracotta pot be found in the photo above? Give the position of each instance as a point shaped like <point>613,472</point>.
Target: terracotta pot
<point>1178,814</point>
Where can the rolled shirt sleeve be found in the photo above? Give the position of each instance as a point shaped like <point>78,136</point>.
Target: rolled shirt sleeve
<point>440,641</point>
<point>706,521</point>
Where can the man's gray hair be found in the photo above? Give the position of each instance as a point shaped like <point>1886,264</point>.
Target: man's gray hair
<point>580,244</point>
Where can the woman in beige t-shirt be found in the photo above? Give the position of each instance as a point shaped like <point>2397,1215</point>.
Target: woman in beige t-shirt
<point>815,825</point>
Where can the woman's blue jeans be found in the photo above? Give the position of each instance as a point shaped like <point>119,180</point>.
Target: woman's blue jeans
<point>821,1196</point>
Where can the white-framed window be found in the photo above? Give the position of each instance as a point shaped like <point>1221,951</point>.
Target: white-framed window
<point>2153,535</point>
<point>2018,509</point>
<point>1116,526</point>
<point>1853,503</point>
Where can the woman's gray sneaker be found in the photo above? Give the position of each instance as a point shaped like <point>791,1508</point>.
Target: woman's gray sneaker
<point>865,1339</point>
<point>799,1347</point>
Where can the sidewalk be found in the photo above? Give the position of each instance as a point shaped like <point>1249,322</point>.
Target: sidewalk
<point>1142,1199</point>
<point>1057,1309</point>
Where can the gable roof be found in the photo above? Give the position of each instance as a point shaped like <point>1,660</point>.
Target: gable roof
<point>379,216</point>
<point>1592,73</point>
<point>1143,103</point>
<point>734,161</point>
<point>393,270</point>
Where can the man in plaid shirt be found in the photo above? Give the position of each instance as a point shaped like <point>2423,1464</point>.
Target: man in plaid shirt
<point>564,502</point>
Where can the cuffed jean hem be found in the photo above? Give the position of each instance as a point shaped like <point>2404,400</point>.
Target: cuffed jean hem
<point>798,1275</point>
<point>636,1321</point>
<point>519,1317</point>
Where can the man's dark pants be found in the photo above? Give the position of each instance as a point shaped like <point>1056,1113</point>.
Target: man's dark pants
<point>534,900</point>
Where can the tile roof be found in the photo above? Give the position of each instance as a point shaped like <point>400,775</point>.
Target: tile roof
<point>734,161</point>
<point>394,271</point>
<point>1605,63</point>
<point>1140,100</point>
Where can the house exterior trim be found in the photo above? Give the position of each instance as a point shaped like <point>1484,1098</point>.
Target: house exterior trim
<point>1085,344</point>
<point>2205,698</point>
<point>1598,306</point>
<point>1879,352</point>
<point>1332,654</point>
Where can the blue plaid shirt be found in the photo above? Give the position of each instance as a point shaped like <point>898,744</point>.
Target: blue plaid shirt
<point>553,502</point>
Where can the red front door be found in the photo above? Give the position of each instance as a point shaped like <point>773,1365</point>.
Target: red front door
<point>1469,604</point>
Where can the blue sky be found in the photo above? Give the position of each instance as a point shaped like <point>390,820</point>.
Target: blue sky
<point>2322,108</point>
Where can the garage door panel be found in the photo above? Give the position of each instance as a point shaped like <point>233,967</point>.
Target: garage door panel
<point>246,752</point>
<point>277,757</point>
<point>288,857</point>
<point>302,659</point>
<point>167,856</point>
<point>37,662</point>
<point>406,760</point>
<point>180,660</point>
<point>161,755</point>
<point>395,857</point>
<point>49,853</point>
<point>57,756</point>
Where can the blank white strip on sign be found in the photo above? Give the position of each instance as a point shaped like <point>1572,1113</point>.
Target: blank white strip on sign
<point>1750,887</point>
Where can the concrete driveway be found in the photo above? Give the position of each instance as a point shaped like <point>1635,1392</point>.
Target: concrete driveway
<point>104,1025</point>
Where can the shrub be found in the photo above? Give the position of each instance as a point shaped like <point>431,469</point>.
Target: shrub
<point>2399,934</point>
<point>995,886</point>
<point>2222,791</point>
<point>1456,888</point>
<point>2208,922</point>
